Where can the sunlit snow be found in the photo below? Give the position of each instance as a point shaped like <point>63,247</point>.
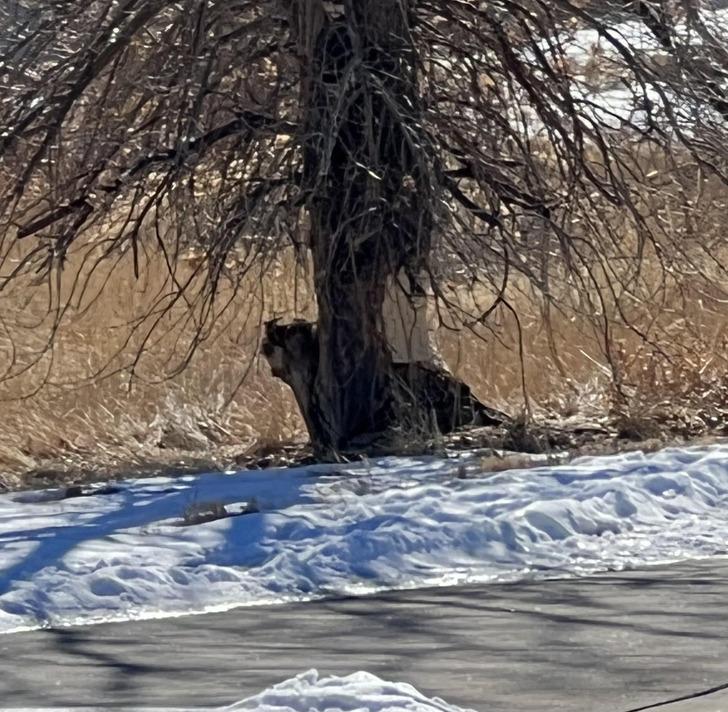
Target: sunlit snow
<point>390,524</point>
<point>360,691</point>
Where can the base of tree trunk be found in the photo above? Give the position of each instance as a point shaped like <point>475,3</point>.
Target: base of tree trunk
<point>425,398</point>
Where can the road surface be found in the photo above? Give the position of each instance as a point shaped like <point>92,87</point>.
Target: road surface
<point>606,644</point>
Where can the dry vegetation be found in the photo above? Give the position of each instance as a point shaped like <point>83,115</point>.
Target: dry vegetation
<point>75,409</point>
<point>575,281</point>
<point>103,377</point>
<point>92,419</point>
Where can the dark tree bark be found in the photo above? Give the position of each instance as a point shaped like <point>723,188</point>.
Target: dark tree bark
<point>367,175</point>
<point>355,156</point>
<point>421,395</point>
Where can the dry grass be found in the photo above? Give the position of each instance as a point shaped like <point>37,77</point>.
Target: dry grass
<point>90,421</point>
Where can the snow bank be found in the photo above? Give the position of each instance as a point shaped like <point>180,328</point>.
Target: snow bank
<point>396,523</point>
<point>360,692</point>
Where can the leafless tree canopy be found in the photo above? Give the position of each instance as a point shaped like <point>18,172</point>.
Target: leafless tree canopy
<point>568,142</point>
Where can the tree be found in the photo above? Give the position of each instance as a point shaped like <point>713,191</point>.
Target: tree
<point>396,145</point>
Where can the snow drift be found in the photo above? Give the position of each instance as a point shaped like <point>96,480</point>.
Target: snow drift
<point>359,692</point>
<point>392,524</point>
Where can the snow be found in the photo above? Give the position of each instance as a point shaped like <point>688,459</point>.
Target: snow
<point>308,692</point>
<point>611,103</point>
<point>390,524</point>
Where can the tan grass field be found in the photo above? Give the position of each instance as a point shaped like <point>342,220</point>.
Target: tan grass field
<point>70,408</point>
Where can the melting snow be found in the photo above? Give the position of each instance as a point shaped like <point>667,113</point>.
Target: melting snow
<point>391,524</point>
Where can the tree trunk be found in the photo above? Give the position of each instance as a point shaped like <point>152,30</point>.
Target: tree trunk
<point>370,194</point>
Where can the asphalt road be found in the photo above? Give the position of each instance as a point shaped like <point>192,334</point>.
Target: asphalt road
<point>607,644</point>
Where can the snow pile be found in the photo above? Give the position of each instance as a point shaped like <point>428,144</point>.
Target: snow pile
<point>360,692</point>
<point>396,523</point>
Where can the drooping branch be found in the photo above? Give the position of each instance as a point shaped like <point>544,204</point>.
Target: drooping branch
<point>248,125</point>
<point>540,141</point>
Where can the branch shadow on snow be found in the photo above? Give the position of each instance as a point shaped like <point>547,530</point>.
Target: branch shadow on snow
<point>138,505</point>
